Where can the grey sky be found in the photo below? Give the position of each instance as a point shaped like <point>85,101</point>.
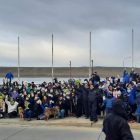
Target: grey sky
<point>110,21</point>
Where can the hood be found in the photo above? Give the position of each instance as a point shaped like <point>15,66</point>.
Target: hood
<point>119,109</point>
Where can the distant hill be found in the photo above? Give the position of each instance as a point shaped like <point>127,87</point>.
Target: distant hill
<point>63,71</point>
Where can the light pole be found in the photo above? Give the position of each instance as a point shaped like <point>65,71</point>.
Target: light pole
<point>70,69</point>
<point>132,49</point>
<point>52,59</point>
<point>90,56</point>
<point>92,65</point>
<point>18,60</point>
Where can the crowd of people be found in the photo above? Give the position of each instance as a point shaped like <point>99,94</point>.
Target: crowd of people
<point>90,98</point>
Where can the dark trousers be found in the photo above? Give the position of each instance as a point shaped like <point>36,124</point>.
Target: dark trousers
<point>12,114</point>
<point>86,108</point>
<point>108,110</point>
<point>28,113</point>
<point>2,114</point>
<point>93,110</point>
<point>133,108</point>
<point>79,108</point>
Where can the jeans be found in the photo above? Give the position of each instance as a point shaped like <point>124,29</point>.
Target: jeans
<point>61,113</point>
<point>28,113</point>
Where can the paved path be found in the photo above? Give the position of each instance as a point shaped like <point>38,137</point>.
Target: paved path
<point>70,121</point>
<point>52,133</point>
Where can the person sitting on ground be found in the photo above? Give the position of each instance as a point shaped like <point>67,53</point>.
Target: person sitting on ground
<point>28,112</point>
<point>62,107</point>
<point>12,107</point>
<point>38,110</point>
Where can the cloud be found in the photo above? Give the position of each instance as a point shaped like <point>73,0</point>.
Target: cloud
<point>34,21</point>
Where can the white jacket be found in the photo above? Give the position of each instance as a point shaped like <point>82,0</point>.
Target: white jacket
<point>13,107</point>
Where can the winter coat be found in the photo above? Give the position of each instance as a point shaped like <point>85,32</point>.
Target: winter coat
<point>85,92</point>
<point>92,96</point>
<point>132,95</point>
<point>11,108</point>
<point>14,95</point>
<point>138,104</point>
<point>138,98</point>
<point>126,77</point>
<point>115,125</point>
<point>108,102</point>
<point>95,79</point>
<point>78,92</point>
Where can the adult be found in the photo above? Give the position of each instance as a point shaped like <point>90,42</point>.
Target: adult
<point>9,76</point>
<point>138,103</point>
<point>85,91</point>
<point>115,125</point>
<point>92,99</point>
<point>79,103</point>
<point>12,107</point>
<point>95,78</point>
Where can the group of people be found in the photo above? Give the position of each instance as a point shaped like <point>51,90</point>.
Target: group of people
<point>90,98</point>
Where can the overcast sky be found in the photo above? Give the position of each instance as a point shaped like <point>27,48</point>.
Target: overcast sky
<point>110,21</point>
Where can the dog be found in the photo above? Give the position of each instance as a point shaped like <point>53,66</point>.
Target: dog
<point>51,112</point>
<point>21,113</point>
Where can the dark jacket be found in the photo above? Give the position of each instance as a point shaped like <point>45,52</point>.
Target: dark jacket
<point>95,79</point>
<point>115,125</point>
<point>138,98</point>
<point>78,92</point>
<point>92,96</point>
<point>85,93</point>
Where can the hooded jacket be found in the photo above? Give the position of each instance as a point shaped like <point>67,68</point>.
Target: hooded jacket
<point>115,125</point>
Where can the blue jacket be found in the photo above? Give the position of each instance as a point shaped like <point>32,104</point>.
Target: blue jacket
<point>138,98</point>
<point>108,102</point>
<point>9,76</point>
<point>126,77</point>
<point>132,96</point>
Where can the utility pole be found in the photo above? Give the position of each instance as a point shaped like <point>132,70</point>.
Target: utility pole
<point>92,65</point>
<point>70,69</point>
<point>90,57</point>
<point>18,60</point>
<point>132,49</point>
<point>52,59</point>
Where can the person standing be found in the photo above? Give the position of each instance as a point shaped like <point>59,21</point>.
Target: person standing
<point>92,99</point>
<point>95,78</point>
<point>137,112</point>
<point>115,125</point>
<point>85,91</point>
<point>79,103</point>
